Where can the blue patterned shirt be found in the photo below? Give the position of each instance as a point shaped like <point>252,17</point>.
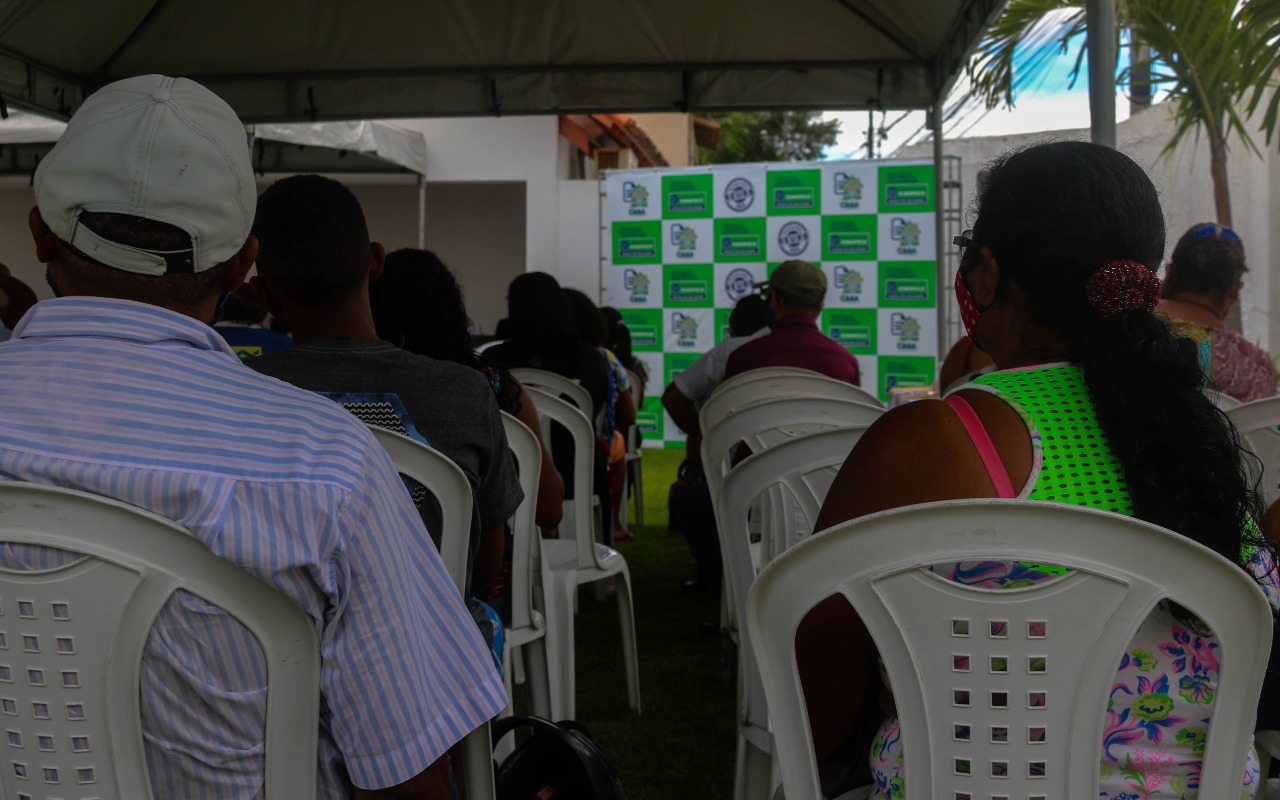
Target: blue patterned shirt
<point>153,408</point>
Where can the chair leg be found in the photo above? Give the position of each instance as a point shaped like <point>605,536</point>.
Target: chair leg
<point>752,772</point>
<point>539,678</point>
<point>561,598</point>
<point>627,624</point>
<point>638,482</point>
<point>477,758</point>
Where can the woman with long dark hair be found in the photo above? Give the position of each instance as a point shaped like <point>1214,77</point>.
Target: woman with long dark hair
<point>1094,403</point>
<point>542,334</point>
<point>418,305</point>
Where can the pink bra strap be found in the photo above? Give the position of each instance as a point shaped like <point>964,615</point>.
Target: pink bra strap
<point>982,442</point>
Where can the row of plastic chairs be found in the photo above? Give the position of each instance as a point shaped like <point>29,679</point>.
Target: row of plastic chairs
<point>1258,424</point>
<point>798,426</point>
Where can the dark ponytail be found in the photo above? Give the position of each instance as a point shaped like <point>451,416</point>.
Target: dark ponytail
<point>1051,215</point>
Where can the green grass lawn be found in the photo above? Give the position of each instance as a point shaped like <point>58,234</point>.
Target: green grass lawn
<point>682,745</point>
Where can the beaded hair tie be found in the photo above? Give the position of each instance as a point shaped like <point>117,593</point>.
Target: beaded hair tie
<point>1122,286</point>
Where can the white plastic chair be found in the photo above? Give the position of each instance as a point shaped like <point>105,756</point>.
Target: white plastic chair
<point>1256,422</point>
<point>448,484</point>
<point>751,387</point>
<point>577,558</point>
<point>558,384</point>
<point>528,631</point>
<point>797,474</point>
<point>76,635</point>
<point>1223,401</point>
<point>1030,668</point>
<point>771,420</point>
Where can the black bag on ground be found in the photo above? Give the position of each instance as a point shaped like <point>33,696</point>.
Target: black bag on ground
<point>559,761</point>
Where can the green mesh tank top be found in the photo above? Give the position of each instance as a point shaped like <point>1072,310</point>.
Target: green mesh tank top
<point>1073,461</point>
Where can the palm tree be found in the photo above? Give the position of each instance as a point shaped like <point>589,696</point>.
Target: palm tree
<point>1201,51</point>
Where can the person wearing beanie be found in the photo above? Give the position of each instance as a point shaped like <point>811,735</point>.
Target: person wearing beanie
<point>120,387</point>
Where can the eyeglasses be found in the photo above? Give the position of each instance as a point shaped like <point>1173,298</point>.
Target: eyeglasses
<point>963,241</point>
<point>1211,231</point>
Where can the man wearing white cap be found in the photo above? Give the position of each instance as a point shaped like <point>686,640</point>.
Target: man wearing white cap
<point>120,387</point>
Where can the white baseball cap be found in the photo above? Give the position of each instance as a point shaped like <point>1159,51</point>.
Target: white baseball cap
<point>157,148</point>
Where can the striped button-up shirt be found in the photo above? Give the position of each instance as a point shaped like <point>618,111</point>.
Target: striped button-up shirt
<point>152,408</point>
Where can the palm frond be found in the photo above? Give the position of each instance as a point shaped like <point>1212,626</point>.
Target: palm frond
<point>1029,24</point>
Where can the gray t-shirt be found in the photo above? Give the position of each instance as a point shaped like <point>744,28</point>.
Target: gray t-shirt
<point>448,405</point>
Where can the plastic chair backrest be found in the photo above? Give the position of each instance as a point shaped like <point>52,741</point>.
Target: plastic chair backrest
<point>1256,422</point>
<point>75,637</point>
<point>524,529</point>
<point>772,420</point>
<point>448,483</point>
<point>804,469</point>
<point>556,384</point>
<point>1012,681</point>
<point>751,387</point>
<point>551,407</point>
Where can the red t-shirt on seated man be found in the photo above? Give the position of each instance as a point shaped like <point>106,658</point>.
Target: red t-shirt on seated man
<point>796,291</point>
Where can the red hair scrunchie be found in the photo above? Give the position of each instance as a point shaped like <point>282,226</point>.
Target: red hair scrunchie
<point>1122,286</point>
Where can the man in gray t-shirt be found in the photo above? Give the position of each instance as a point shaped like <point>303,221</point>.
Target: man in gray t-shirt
<point>314,266</point>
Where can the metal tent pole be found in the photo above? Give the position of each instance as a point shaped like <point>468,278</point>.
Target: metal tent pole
<point>1100,19</point>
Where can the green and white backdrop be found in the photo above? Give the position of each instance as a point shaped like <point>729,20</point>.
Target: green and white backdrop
<point>681,246</point>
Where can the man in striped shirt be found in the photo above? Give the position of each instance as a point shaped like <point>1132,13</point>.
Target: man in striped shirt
<point>120,387</point>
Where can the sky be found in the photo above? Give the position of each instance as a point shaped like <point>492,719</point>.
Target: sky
<point>1049,103</point>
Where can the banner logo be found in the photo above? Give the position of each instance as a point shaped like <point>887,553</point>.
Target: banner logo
<point>740,244</point>
<point>637,283</point>
<point>907,329</point>
<point>643,334</point>
<point>794,197</point>
<point>685,201</point>
<point>685,328</point>
<point>852,243</point>
<point>739,283</point>
<point>907,194</point>
<point>647,422</point>
<point>907,235</point>
<point>849,188</point>
<point>739,194</point>
<point>793,238</point>
<point>637,247</point>
<point>636,196</point>
<point>685,239</point>
<point>909,289</point>
<point>849,283</point>
<point>851,335</point>
<point>688,291</point>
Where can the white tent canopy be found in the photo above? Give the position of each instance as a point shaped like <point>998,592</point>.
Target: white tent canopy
<point>318,147</point>
<point>314,60</point>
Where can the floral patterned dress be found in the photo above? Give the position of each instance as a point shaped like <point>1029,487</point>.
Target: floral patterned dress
<point>1162,699</point>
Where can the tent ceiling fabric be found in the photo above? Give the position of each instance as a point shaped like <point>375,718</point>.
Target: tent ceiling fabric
<point>313,60</point>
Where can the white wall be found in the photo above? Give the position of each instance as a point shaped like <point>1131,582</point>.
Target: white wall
<point>477,229</point>
<point>1186,193</point>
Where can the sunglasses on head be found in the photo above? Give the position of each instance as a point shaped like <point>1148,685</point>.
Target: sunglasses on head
<point>1211,231</point>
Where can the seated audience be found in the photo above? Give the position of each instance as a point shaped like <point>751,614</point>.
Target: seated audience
<point>796,291</point>
<point>689,501</point>
<point>1059,288</point>
<point>418,305</point>
<point>314,266</point>
<point>542,334</point>
<point>619,410</point>
<point>241,325</point>
<point>1201,283</point>
<point>137,399</point>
